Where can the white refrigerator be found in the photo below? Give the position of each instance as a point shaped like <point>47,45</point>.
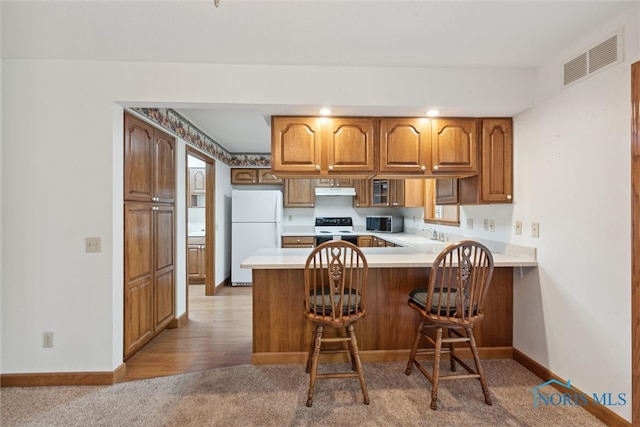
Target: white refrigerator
<point>256,223</point>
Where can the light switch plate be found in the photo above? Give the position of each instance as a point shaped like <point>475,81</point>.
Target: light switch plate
<point>519,228</point>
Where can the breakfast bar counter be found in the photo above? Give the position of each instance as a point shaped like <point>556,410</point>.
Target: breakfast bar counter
<point>281,334</point>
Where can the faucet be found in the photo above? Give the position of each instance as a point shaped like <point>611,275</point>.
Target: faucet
<point>434,233</point>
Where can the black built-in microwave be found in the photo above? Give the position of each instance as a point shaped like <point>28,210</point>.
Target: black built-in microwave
<point>385,223</point>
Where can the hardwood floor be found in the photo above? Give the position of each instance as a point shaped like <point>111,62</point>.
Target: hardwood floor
<point>217,334</point>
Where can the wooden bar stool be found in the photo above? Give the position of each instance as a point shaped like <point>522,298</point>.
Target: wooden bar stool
<point>335,279</point>
<point>453,300</point>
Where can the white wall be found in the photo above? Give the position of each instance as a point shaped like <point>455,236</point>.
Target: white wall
<point>223,222</point>
<point>572,157</point>
<point>54,112</point>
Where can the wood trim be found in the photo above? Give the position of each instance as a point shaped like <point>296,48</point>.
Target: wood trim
<point>372,356</point>
<point>64,378</point>
<point>179,322</point>
<point>599,411</point>
<point>635,243</point>
<point>225,282</point>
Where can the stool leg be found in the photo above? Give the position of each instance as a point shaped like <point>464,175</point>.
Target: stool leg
<point>314,364</point>
<point>476,358</point>
<point>353,347</point>
<point>452,350</point>
<point>436,368</point>
<point>414,348</point>
<point>312,345</point>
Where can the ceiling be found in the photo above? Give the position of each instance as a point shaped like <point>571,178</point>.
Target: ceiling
<point>366,33</point>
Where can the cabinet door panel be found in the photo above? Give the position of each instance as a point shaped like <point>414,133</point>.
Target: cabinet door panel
<point>299,193</point>
<point>138,276</point>
<point>164,170</point>
<point>350,145</point>
<point>138,160</point>
<point>446,191</point>
<point>265,176</point>
<point>296,144</point>
<point>193,262</point>
<point>497,160</point>
<point>454,146</point>
<point>244,176</point>
<point>164,237</point>
<point>405,146</point>
<point>363,193</point>
<point>164,291</point>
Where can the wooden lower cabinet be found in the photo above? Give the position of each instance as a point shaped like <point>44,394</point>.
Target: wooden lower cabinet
<point>196,255</point>
<point>298,241</point>
<point>365,241</point>
<point>149,274</point>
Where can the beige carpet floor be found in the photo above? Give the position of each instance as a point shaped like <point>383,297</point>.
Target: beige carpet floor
<point>275,395</point>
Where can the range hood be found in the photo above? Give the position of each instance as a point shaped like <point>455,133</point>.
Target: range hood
<point>335,191</point>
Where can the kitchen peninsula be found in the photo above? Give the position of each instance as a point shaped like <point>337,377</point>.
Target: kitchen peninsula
<point>281,333</point>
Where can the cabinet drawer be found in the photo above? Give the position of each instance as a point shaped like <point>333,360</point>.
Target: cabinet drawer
<point>298,241</point>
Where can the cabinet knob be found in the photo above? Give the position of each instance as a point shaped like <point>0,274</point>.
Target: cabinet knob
<point>423,167</point>
<point>298,240</point>
<point>154,208</point>
<point>317,167</point>
<point>435,168</point>
<point>395,203</point>
<point>508,196</point>
<point>330,167</point>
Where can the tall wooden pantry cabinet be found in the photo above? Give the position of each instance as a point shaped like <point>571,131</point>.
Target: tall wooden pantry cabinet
<point>149,232</point>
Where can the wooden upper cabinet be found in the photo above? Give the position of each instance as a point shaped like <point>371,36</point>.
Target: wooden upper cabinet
<point>253,176</point>
<point>296,145</point>
<point>350,145</point>
<point>149,163</point>
<point>494,184</point>
<point>266,176</point>
<point>405,145</point>
<point>311,146</point>
<point>414,192</point>
<point>197,181</point>
<point>362,198</point>
<point>446,191</point>
<point>454,146</point>
<point>244,176</point>
<point>165,167</point>
<point>299,193</point>
<point>497,160</point>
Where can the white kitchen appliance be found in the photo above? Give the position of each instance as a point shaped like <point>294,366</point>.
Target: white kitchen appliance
<point>256,223</point>
<point>335,228</point>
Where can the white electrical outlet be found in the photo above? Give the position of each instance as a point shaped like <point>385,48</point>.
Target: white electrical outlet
<point>93,244</point>
<point>486,224</point>
<point>535,229</point>
<point>470,223</point>
<point>519,228</point>
<point>492,225</point>
<point>47,339</point>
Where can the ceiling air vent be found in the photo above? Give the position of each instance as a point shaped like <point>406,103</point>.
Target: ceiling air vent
<point>597,58</point>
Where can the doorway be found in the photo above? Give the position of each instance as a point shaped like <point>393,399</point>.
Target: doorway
<point>200,197</point>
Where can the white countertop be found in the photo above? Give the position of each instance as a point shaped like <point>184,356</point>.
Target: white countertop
<point>417,251</point>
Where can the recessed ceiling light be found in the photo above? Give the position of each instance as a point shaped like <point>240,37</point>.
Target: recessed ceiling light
<point>325,111</point>
<point>432,113</point>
